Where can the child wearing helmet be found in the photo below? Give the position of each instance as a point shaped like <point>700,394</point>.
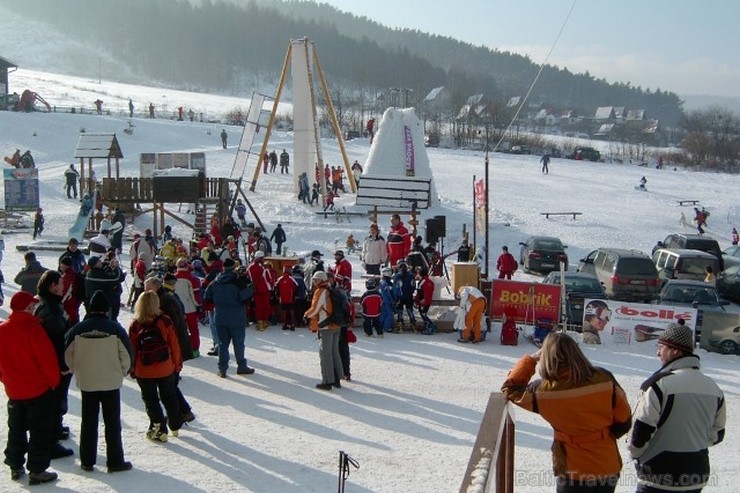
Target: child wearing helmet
<point>372,304</point>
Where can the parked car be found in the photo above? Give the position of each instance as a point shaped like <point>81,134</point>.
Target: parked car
<point>728,283</point>
<point>585,154</point>
<point>731,256</point>
<point>431,140</point>
<point>520,149</point>
<point>579,287</point>
<point>696,294</point>
<point>681,263</point>
<point>726,341</point>
<point>542,254</point>
<point>694,242</point>
<point>627,275</point>
<point>352,134</point>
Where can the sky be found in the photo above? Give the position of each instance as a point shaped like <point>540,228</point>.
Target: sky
<point>688,47</point>
<point>412,411</point>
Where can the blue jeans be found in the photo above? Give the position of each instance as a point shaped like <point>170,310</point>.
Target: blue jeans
<point>226,335</point>
<point>214,330</point>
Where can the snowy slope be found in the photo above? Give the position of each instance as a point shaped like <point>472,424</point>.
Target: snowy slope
<point>412,411</point>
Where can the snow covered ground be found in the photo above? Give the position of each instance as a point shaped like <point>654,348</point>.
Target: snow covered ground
<point>412,411</point>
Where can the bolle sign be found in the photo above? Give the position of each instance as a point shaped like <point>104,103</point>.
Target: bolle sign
<point>526,302</point>
<point>639,321</point>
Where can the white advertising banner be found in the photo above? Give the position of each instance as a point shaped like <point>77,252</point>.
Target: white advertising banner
<point>622,322</point>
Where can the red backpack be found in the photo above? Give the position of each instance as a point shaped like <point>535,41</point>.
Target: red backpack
<point>509,334</point>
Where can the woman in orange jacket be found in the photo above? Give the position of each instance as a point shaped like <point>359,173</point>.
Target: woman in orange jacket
<point>585,406</point>
<point>157,361</point>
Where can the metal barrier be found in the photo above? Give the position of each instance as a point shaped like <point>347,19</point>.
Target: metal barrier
<point>491,464</point>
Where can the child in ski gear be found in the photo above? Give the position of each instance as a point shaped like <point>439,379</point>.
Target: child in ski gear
<point>278,236</point>
<point>38,223</point>
<point>735,237</point>
<point>643,182</point>
<point>387,293</point>
<point>423,300</point>
<point>403,283</point>
<point>584,450</point>
<point>372,306</point>
<point>700,218</point>
<point>329,200</point>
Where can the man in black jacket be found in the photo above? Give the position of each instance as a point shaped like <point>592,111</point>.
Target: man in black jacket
<point>49,310</point>
<point>106,277</point>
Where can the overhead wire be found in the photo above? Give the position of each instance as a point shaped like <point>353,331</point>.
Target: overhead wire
<point>536,78</point>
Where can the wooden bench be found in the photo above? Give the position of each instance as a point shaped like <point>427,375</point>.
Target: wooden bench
<point>687,202</point>
<point>548,214</point>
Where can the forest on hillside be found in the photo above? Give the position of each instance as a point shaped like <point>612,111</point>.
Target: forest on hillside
<point>217,46</point>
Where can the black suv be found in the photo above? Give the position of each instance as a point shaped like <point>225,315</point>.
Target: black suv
<point>695,242</point>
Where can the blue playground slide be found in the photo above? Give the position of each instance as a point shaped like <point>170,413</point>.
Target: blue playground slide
<point>78,229</point>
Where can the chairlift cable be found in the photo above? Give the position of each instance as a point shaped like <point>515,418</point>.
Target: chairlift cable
<point>536,78</point>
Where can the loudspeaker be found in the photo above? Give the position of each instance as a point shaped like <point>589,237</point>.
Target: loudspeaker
<point>442,226</point>
<point>432,230</point>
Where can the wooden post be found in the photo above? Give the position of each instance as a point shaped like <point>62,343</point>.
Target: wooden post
<point>271,122</point>
<point>334,123</point>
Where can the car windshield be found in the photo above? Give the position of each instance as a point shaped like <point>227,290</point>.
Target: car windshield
<point>583,285</point>
<point>696,266</point>
<point>704,295</point>
<point>548,245</point>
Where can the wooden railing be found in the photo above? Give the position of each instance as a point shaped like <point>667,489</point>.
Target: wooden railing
<point>491,464</point>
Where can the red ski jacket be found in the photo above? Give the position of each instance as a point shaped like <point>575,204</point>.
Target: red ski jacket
<point>371,303</point>
<point>286,287</point>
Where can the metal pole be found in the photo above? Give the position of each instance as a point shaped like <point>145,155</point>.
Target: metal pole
<point>485,270</point>
<point>474,246</point>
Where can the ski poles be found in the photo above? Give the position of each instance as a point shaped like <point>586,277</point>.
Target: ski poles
<point>344,462</point>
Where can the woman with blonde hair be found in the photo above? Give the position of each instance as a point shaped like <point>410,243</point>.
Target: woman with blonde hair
<point>156,363</point>
<point>585,406</point>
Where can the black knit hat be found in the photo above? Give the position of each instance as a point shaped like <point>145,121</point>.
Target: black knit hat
<point>229,264</point>
<point>678,337</point>
<point>99,303</point>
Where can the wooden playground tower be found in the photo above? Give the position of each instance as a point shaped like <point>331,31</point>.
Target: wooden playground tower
<point>137,195</point>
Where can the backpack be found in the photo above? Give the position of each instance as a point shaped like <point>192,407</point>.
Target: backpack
<point>152,346</point>
<point>509,334</point>
<point>341,313</point>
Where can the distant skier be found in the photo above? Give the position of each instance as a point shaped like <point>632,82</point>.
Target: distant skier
<point>284,161</point>
<point>71,176</point>
<point>38,223</point>
<point>224,138</point>
<point>130,108</point>
<point>99,106</point>
<point>545,160</point>
<point>151,110</point>
<point>700,218</point>
<point>735,236</point>
<point>643,182</point>
<point>370,127</point>
<point>273,162</point>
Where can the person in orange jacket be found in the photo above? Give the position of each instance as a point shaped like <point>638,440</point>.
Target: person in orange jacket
<point>157,379</point>
<point>317,314</point>
<point>584,404</point>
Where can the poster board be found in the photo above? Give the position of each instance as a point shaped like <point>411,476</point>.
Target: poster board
<point>158,161</point>
<point>526,302</point>
<point>21,189</point>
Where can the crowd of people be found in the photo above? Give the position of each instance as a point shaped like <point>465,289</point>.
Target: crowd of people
<point>226,281</point>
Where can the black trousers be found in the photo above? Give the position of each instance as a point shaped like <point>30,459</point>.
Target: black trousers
<point>344,351</point>
<point>60,405</point>
<point>156,392</point>
<point>110,402</point>
<point>30,430</point>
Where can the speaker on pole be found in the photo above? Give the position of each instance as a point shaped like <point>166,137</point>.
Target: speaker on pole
<point>441,226</point>
<point>431,230</point>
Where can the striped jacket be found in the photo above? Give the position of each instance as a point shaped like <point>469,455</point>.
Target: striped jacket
<point>680,414</point>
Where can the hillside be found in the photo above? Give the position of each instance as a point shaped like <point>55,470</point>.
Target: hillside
<point>220,47</point>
